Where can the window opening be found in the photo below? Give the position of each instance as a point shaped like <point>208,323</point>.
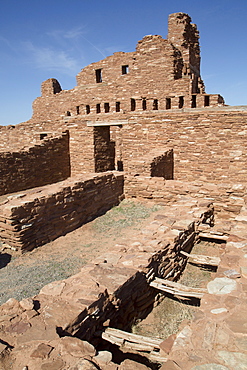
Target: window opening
<point>42,136</point>
<point>132,104</point>
<point>125,70</point>
<point>97,108</point>
<point>144,104</point>
<point>155,104</point>
<point>87,109</point>
<point>181,102</point>
<point>206,101</point>
<point>78,109</point>
<point>107,107</point>
<point>118,106</point>
<point>98,74</point>
<point>193,101</point>
<point>168,103</point>
<point>68,113</point>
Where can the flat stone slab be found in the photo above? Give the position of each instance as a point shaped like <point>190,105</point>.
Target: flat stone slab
<point>221,286</point>
<point>210,367</point>
<point>236,360</point>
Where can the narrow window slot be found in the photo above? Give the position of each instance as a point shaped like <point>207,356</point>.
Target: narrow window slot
<point>125,70</point>
<point>168,103</point>
<point>144,104</point>
<point>132,104</point>
<point>97,108</point>
<point>206,101</point>
<point>193,101</point>
<point>181,102</point>
<point>107,107</point>
<point>98,74</point>
<point>155,104</point>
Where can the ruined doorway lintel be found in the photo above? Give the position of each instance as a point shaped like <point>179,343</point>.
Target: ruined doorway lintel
<point>107,123</point>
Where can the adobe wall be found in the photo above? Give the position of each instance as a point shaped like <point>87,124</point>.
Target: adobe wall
<point>38,216</point>
<point>46,162</point>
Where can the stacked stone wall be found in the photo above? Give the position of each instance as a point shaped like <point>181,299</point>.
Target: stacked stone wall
<point>160,74</point>
<point>38,216</point>
<point>227,197</point>
<point>44,163</point>
<point>207,146</point>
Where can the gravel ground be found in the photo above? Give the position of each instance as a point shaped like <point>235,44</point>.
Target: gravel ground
<point>24,280</point>
<point>23,275</point>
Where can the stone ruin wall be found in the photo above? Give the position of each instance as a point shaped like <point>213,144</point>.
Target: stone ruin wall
<point>161,74</point>
<point>46,162</point>
<point>38,216</point>
<point>159,96</point>
<point>208,144</point>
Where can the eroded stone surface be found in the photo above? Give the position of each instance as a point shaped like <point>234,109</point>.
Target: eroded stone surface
<point>221,286</point>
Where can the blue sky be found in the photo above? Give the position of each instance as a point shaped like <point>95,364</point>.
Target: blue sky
<point>40,39</point>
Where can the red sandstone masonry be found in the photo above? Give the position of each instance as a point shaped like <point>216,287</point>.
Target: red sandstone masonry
<point>102,294</point>
<point>41,215</point>
<point>227,197</point>
<point>45,163</point>
<point>209,144</point>
<point>160,74</point>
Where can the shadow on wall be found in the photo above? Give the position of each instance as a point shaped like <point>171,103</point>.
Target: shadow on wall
<point>163,166</point>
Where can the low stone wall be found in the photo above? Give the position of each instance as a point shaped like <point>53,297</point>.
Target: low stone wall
<point>44,163</point>
<point>38,216</point>
<point>111,291</point>
<point>225,196</point>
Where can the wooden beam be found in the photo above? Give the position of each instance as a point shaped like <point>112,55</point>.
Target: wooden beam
<point>201,259</point>
<point>177,289</point>
<point>222,238</point>
<point>149,347</point>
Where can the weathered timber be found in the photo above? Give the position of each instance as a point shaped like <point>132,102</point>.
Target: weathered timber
<point>201,259</point>
<point>177,289</point>
<point>222,238</point>
<point>137,343</point>
<point>133,337</point>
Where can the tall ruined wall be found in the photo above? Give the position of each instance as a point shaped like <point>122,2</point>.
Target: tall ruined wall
<point>208,146</point>
<point>42,164</point>
<point>159,70</point>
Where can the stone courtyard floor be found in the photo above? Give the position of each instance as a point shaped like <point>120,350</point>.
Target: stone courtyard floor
<point>214,337</point>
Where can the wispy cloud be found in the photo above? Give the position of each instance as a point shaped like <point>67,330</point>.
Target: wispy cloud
<point>69,34</point>
<point>52,59</point>
<point>74,35</point>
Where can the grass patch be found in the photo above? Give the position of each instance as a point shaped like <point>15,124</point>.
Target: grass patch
<point>27,280</point>
<point>127,214</point>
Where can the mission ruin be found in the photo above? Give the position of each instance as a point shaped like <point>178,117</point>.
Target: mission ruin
<point>136,125</point>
